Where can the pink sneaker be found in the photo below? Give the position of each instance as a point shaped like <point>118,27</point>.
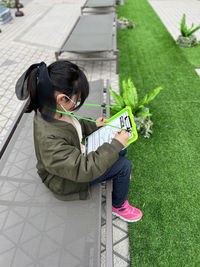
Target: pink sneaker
<point>127,212</point>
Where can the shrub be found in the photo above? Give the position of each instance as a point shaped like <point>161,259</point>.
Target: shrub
<point>140,111</point>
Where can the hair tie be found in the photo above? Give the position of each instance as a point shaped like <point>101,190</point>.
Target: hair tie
<point>21,89</point>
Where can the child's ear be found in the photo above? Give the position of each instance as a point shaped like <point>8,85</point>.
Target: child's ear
<point>61,99</point>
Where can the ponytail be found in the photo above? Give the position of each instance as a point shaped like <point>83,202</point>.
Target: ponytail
<point>32,88</point>
<point>36,85</point>
<point>39,83</point>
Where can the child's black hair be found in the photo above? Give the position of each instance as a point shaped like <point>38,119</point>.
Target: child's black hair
<point>66,78</point>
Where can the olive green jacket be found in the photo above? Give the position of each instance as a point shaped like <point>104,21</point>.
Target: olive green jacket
<point>60,163</point>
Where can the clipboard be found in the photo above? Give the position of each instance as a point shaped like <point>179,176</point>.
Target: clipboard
<point>124,119</point>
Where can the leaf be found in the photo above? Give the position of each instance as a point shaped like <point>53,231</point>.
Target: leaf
<point>129,93</point>
<point>153,94</point>
<point>192,26</point>
<point>114,110</point>
<point>125,93</point>
<point>143,113</point>
<point>194,30</point>
<point>132,93</point>
<point>183,28</point>
<point>118,99</point>
<point>143,101</point>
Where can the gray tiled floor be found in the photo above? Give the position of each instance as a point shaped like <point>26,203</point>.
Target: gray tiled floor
<point>34,38</point>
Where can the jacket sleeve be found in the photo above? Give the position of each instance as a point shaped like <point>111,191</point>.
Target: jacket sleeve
<point>87,127</point>
<point>66,161</point>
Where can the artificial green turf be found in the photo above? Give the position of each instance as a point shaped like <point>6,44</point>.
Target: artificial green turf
<point>192,54</point>
<point>166,169</point>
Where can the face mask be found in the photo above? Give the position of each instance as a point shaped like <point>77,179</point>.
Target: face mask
<point>75,104</point>
<point>65,109</point>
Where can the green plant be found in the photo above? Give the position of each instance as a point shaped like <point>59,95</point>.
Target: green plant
<point>2,3</point>
<point>185,31</point>
<point>8,3</point>
<point>130,98</point>
<point>126,22</point>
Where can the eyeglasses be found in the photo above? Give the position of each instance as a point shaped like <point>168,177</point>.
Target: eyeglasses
<point>75,104</point>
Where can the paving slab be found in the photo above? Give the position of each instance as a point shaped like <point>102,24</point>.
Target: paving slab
<point>50,29</point>
<point>31,39</point>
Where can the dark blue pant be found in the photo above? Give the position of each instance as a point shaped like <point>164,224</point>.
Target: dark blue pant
<point>120,173</point>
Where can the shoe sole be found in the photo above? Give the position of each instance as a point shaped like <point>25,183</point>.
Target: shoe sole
<point>126,220</point>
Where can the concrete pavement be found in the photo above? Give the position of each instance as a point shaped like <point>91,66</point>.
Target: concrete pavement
<point>32,39</point>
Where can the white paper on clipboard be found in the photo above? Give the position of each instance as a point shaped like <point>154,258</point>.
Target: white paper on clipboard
<point>106,133</point>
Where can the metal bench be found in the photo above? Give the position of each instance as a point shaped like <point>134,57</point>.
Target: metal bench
<point>99,6</point>
<point>90,35</point>
<point>36,228</point>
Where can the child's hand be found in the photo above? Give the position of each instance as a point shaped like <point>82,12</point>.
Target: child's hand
<point>100,119</point>
<point>122,136</point>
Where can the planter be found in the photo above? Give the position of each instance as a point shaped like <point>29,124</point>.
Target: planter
<point>120,2</point>
<point>121,25</point>
<point>187,41</point>
<point>144,124</point>
<point>5,15</point>
<point>124,23</point>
